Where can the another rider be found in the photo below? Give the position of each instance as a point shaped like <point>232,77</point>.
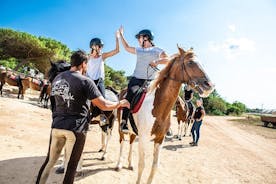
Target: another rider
<point>95,67</point>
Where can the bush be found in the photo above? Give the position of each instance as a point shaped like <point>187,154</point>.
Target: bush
<point>234,110</point>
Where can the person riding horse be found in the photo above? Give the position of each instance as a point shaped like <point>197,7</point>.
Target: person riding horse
<point>95,70</point>
<point>188,96</point>
<point>147,54</point>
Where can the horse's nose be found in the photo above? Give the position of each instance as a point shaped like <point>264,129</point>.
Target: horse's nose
<point>208,83</point>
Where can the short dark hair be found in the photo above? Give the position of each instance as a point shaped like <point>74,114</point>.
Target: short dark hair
<point>78,57</point>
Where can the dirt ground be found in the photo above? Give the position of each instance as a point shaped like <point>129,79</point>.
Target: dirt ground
<point>227,152</point>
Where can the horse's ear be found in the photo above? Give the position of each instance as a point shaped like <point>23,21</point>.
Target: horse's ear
<point>181,50</point>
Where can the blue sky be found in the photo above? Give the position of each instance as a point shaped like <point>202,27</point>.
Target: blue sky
<point>234,40</point>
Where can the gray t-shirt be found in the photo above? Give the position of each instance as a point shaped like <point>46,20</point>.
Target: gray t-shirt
<point>144,57</point>
<point>73,93</point>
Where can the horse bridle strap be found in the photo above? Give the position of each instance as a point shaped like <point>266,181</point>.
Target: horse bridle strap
<point>183,71</point>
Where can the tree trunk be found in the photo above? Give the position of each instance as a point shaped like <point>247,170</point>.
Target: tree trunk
<point>22,62</point>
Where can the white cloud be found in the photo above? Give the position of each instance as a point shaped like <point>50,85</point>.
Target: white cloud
<point>232,47</point>
<point>232,27</point>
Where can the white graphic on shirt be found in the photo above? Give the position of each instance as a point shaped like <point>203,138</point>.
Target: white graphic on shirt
<point>62,88</point>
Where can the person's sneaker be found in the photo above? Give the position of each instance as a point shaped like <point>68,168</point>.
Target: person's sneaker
<point>59,170</point>
<point>195,144</point>
<point>169,134</point>
<point>124,127</point>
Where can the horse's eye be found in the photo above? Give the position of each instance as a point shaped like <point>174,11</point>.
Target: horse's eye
<point>190,62</point>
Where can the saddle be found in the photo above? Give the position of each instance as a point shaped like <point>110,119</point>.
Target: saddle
<point>13,77</point>
<point>138,99</point>
<point>37,82</point>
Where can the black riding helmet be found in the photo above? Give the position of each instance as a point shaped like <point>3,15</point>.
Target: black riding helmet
<point>96,41</point>
<point>145,32</point>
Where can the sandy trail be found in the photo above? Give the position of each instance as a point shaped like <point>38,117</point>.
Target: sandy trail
<point>226,152</point>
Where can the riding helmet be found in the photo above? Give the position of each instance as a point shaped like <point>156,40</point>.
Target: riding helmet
<point>96,41</point>
<point>145,32</point>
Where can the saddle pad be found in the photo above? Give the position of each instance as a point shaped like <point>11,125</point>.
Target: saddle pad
<point>37,82</point>
<point>13,77</point>
<point>138,103</point>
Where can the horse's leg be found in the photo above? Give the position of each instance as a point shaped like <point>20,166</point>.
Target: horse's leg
<point>1,87</point>
<point>19,92</point>
<point>119,164</point>
<point>104,135</point>
<point>132,138</point>
<point>185,127</point>
<point>179,126</point>
<point>141,162</point>
<point>155,163</point>
<point>106,141</point>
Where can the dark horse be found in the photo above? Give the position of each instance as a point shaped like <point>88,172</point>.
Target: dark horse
<point>14,80</point>
<point>111,95</point>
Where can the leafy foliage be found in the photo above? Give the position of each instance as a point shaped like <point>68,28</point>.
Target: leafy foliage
<point>216,105</point>
<point>116,79</point>
<point>28,49</point>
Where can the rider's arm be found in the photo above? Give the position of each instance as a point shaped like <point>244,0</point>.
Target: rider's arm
<point>107,105</point>
<point>164,59</point>
<point>113,52</point>
<point>125,44</point>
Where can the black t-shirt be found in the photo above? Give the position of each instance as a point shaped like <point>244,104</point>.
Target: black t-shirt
<point>198,112</point>
<point>73,93</point>
<point>188,94</point>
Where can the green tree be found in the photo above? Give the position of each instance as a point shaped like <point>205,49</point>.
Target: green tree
<point>28,49</point>
<point>114,78</point>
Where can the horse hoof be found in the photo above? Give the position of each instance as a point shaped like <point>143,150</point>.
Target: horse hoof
<point>179,139</point>
<point>59,170</point>
<point>117,169</point>
<point>101,150</point>
<point>102,159</point>
<point>131,168</point>
<point>184,135</point>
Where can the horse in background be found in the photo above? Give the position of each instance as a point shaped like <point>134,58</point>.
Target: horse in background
<point>182,115</point>
<point>153,118</point>
<point>45,94</point>
<point>14,80</point>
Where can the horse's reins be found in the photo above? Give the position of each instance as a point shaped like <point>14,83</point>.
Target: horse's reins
<point>184,70</point>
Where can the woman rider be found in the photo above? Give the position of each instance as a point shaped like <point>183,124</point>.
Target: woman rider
<point>95,67</point>
<point>147,54</point>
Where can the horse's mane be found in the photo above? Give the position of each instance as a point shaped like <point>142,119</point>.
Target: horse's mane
<point>181,102</point>
<point>162,74</point>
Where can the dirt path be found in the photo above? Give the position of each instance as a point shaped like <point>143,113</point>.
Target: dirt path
<point>226,153</point>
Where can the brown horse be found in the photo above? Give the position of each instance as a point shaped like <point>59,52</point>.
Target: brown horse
<point>35,84</point>
<point>182,115</point>
<point>153,118</point>
<point>13,80</point>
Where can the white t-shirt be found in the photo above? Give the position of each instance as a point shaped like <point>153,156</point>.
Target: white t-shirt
<point>144,57</point>
<point>95,68</point>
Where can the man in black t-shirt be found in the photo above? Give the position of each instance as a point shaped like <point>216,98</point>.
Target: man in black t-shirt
<point>73,93</point>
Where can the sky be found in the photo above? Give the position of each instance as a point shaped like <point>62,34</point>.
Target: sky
<point>234,40</point>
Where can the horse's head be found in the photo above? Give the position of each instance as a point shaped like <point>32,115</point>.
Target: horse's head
<point>56,68</point>
<point>186,69</point>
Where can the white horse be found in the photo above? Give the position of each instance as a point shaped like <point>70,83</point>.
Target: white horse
<point>153,118</point>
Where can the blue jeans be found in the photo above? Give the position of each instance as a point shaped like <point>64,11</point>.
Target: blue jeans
<point>195,130</point>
